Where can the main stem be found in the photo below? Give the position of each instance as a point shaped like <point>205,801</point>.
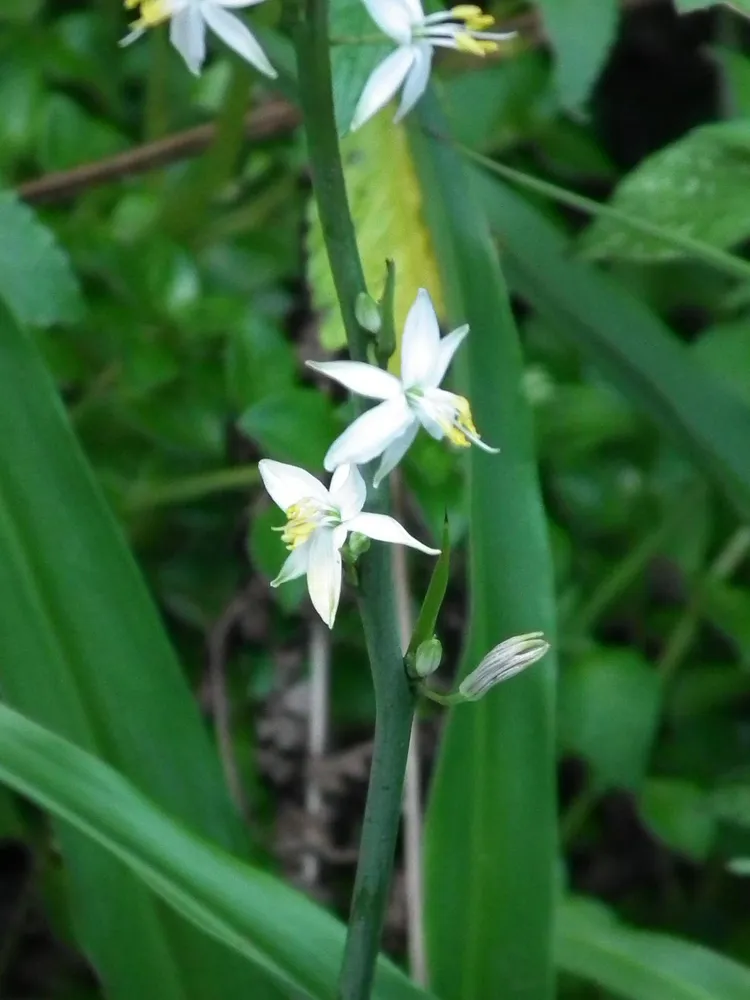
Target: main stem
<point>394,697</point>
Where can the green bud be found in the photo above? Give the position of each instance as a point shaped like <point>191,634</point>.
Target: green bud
<point>368,313</point>
<point>502,662</point>
<point>428,656</point>
<point>357,545</point>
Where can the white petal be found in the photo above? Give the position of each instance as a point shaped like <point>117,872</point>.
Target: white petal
<point>294,566</point>
<point>365,380</point>
<point>237,36</point>
<point>383,83</point>
<point>394,17</point>
<point>419,348</point>
<point>187,33</point>
<point>386,529</point>
<point>416,81</point>
<point>394,453</point>
<point>447,348</point>
<point>348,491</point>
<point>324,574</point>
<point>288,484</point>
<point>237,3</point>
<point>370,434</point>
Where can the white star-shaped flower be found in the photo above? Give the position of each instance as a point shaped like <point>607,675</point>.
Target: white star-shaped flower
<point>318,521</point>
<point>417,36</point>
<point>416,398</point>
<point>188,21</point>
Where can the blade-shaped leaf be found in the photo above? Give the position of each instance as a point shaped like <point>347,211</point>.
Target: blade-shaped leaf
<point>640,965</point>
<point>298,943</point>
<point>632,346</point>
<point>491,836</point>
<point>82,651</point>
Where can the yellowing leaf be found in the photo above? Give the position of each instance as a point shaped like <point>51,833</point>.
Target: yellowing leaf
<point>386,205</point>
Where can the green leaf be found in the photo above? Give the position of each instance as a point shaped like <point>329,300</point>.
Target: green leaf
<point>298,944</point>
<point>36,280</point>
<point>680,815</point>
<point>609,710</point>
<point>580,53</point>
<point>696,187</point>
<point>724,350</point>
<point>386,205</point>
<point>491,834</point>
<point>641,965</point>
<point>82,652</point>
<point>688,6</point>
<point>635,350</point>
<point>295,426</point>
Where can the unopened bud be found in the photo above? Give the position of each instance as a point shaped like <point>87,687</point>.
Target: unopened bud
<point>356,545</point>
<point>502,662</point>
<point>428,656</point>
<point>367,312</point>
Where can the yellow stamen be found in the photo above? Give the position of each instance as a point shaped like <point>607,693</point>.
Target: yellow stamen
<point>477,47</point>
<point>473,17</point>
<point>456,431</point>
<point>302,520</point>
<point>152,12</point>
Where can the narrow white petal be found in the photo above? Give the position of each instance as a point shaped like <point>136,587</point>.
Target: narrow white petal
<point>395,452</point>
<point>287,484</point>
<point>383,83</point>
<point>187,33</point>
<point>370,434</point>
<point>394,17</point>
<point>420,343</point>
<point>348,491</point>
<point>237,36</point>
<point>294,566</point>
<point>386,529</point>
<point>237,3</point>
<point>416,81</point>
<point>365,380</point>
<point>447,348</point>
<point>324,574</point>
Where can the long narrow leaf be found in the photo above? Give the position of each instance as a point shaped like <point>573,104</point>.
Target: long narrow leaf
<point>491,836</point>
<point>260,917</point>
<point>82,651</point>
<point>635,349</point>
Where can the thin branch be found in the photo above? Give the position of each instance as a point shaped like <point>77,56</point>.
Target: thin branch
<point>317,736</point>
<point>261,123</point>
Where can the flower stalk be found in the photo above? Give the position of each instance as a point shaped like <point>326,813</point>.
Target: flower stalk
<point>395,699</point>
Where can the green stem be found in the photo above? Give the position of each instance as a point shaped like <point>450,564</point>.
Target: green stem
<point>394,698</point>
<point>713,256</point>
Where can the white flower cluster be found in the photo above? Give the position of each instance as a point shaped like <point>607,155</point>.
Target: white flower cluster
<point>408,67</point>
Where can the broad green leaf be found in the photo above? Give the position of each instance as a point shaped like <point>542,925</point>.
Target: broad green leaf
<point>297,943</point>
<point>491,833</point>
<point>386,206</point>
<point>640,965</point>
<point>679,814</point>
<point>636,351</point>
<point>580,52</point>
<point>36,280</point>
<point>609,711</point>
<point>82,652</point>
<point>724,349</point>
<point>295,426</point>
<point>696,187</point>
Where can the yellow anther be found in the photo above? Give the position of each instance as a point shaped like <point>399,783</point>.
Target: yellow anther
<point>456,436</point>
<point>465,43</point>
<point>464,415</point>
<point>473,17</point>
<point>465,11</point>
<point>302,520</point>
<point>152,12</point>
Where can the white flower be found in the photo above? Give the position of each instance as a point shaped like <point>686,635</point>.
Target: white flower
<point>319,520</point>
<point>417,36</point>
<point>187,29</point>
<point>414,399</point>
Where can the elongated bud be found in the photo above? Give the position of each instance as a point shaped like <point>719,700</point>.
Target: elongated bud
<point>428,656</point>
<point>502,662</point>
<point>368,313</point>
<point>356,545</point>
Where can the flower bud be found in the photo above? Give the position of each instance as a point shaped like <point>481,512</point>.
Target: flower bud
<point>356,545</point>
<point>428,656</point>
<point>367,312</point>
<point>502,662</point>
